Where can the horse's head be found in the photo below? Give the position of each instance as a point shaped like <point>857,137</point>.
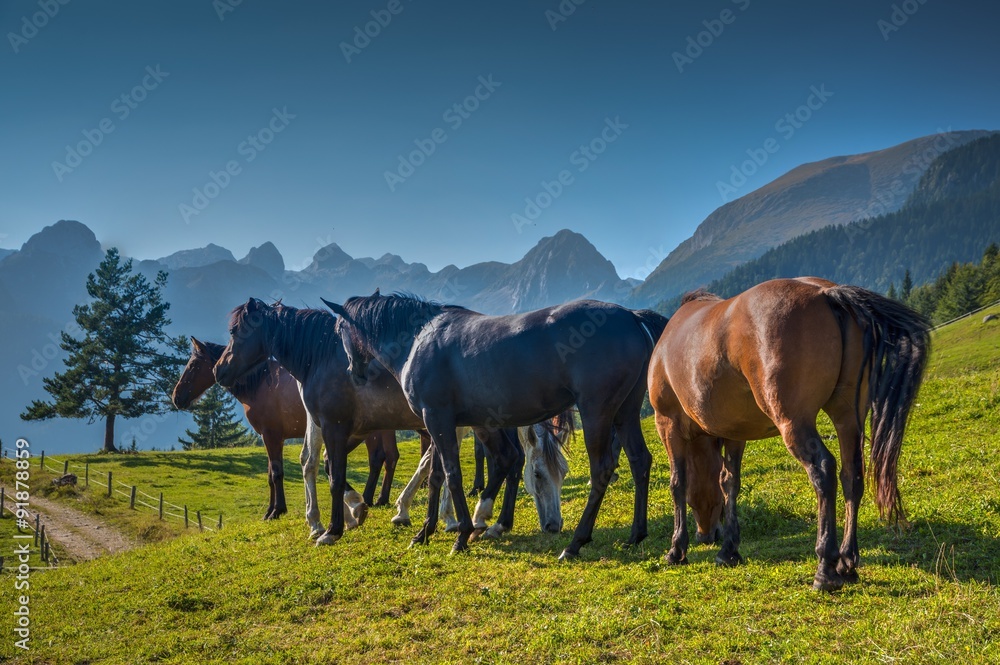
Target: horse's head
<point>704,491</point>
<point>545,469</point>
<point>359,352</point>
<point>249,325</point>
<point>197,376</point>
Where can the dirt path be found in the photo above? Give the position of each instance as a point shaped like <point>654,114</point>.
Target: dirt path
<point>81,536</point>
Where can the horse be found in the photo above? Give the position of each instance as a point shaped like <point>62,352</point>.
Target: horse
<point>273,406</point>
<point>305,342</point>
<point>766,362</point>
<point>459,367</point>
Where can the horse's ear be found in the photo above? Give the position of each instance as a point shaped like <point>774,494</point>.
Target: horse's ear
<point>197,344</point>
<point>252,305</point>
<point>335,308</point>
<point>376,294</point>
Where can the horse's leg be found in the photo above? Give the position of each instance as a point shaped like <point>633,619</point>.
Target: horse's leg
<point>478,482</point>
<point>852,480</point>
<point>405,498</point>
<point>803,442</point>
<point>441,425</point>
<point>276,464</point>
<point>732,461</point>
<point>337,445</point>
<point>376,455</point>
<point>446,510</point>
<point>391,451</point>
<point>435,478</point>
<point>676,446</point>
<point>509,459</point>
<point>355,507</point>
<point>310,464</point>
<point>629,434</point>
<point>597,436</point>
<point>269,513</point>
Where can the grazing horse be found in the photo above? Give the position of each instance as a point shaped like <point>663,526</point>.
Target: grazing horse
<point>766,362</point>
<point>305,343</point>
<point>270,397</point>
<point>459,367</point>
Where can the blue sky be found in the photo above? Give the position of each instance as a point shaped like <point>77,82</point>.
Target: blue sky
<point>300,131</point>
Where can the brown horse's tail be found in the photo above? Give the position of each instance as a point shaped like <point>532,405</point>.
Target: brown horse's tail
<point>897,343</point>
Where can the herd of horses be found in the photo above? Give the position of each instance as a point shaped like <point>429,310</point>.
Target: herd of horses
<point>718,373</point>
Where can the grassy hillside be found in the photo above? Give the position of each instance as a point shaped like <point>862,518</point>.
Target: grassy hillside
<point>261,593</point>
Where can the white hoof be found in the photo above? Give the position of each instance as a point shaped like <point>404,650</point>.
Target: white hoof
<point>326,539</point>
<point>494,532</point>
<point>401,520</point>
<point>316,531</point>
<point>360,513</point>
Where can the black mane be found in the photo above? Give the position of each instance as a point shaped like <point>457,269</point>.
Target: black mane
<point>299,336</point>
<point>390,319</point>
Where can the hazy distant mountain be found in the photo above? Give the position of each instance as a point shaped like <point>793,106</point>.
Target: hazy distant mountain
<point>193,258</point>
<point>267,258</point>
<point>832,191</point>
<point>4,253</point>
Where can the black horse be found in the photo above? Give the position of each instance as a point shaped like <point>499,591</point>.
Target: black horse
<point>459,367</point>
<point>305,343</point>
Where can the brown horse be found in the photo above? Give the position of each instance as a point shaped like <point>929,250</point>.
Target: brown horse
<point>270,397</point>
<point>765,363</point>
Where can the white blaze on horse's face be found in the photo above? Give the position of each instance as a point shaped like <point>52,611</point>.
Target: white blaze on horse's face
<point>545,469</point>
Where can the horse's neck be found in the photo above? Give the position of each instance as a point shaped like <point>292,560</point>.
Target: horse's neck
<point>289,346</point>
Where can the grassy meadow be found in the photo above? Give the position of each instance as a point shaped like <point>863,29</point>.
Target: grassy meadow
<point>259,592</point>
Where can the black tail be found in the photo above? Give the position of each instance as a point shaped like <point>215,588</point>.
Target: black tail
<point>897,343</point>
<point>653,322</point>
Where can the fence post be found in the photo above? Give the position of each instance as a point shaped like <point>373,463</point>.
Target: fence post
<point>45,552</point>
<point>86,474</point>
<point>38,521</point>
<point>220,521</point>
<point>41,463</point>
<point>131,499</point>
<point>198,513</point>
<point>2,498</point>
<point>41,539</point>
<point>65,467</point>
<point>161,505</point>
<point>109,484</point>
<point>185,517</point>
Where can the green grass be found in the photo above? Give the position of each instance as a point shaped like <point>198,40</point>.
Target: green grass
<point>261,593</point>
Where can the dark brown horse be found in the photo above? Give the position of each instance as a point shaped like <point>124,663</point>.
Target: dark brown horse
<point>270,397</point>
<point>767,362</point>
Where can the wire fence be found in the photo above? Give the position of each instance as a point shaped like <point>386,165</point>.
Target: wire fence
<point>114,487</point>
<point>40,541</point>
<point>967,314</point>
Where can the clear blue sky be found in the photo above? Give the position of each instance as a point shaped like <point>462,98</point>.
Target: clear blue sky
<point>322,177</point>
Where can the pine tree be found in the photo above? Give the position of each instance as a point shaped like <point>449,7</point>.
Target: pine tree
<point>907,286</point>
<point>218,426</point>
<point>891,293</point>
<point>125,365</point>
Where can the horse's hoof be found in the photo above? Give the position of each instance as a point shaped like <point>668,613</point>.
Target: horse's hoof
<point>494,532</point>
<point>729,560</point>
<point>327,539</point>
<point>381,503</point>
<point>400,521</point>
<point>316,532</point>
<point>568,555</point>
<point>360,513</point>
<point>848,571</point>
<point>459,547</point>
<point>476,534</point>
<point>828,583</point>
<point>675,559</point>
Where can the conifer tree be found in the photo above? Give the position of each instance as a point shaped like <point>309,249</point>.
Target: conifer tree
<point>125,365</point>
<point>218,426</point>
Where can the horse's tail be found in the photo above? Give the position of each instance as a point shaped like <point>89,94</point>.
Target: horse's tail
<point>652,322</point>
<point>896,346</point>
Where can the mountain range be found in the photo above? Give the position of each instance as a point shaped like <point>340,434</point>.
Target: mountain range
<point>41,281</point>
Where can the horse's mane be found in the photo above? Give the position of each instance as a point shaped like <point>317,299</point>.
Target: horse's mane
<point>388,319</point>
<point>698,294</point>
<point>300,335</point>
<point>248,384</point>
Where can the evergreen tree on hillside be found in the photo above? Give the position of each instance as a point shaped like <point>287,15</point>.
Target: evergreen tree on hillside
<point>907,286</point>
<point>125,365</point>
<point>218,426</point>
